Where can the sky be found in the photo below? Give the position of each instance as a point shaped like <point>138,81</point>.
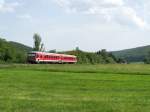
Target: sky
<point>91,25</point>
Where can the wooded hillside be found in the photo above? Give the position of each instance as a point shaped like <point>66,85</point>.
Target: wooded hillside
<point>13,52</point>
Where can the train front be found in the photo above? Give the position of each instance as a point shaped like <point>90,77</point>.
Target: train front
<point>31,57</point>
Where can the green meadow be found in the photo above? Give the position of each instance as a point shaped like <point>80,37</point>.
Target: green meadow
<point>75,88</point>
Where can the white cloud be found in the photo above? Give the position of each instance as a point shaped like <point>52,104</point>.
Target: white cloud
<point>131,14</point>
<point>8,7</point>
<point>120,11</point>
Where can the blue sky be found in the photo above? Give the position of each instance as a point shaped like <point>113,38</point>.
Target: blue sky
<point>65,24</point>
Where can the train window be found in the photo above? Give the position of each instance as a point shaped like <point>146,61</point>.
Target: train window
<point>50,57</point>
<point>37,56</point>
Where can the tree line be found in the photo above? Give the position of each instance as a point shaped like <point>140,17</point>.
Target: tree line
<point>11,52</point>
<point>100,57</point>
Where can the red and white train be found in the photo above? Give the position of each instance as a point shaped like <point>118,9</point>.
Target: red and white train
<point>43,57</point>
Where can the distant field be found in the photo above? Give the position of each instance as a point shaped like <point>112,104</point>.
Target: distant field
<point>75,88</point>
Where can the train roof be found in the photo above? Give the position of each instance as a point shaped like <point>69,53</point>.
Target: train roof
<point>52,54</point>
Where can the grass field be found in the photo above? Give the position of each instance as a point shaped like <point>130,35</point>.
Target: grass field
<point>74,88</point>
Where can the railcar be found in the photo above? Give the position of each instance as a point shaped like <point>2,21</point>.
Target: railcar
<point>43,57</point>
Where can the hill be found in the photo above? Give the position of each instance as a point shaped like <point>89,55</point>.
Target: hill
<point>133,55</point>
<point>20,47</point>
<point>13,51</point>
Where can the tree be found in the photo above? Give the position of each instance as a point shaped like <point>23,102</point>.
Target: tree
<point>42,47</point>
<point>121,61</point>
<point>52,51</point>
<point>147,58</point>
<point>77,49</point>
<point>104,53</point>
<point>38,45</point>
<point>8,55</point>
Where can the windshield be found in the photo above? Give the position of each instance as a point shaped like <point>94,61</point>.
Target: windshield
<point>31,55</point>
